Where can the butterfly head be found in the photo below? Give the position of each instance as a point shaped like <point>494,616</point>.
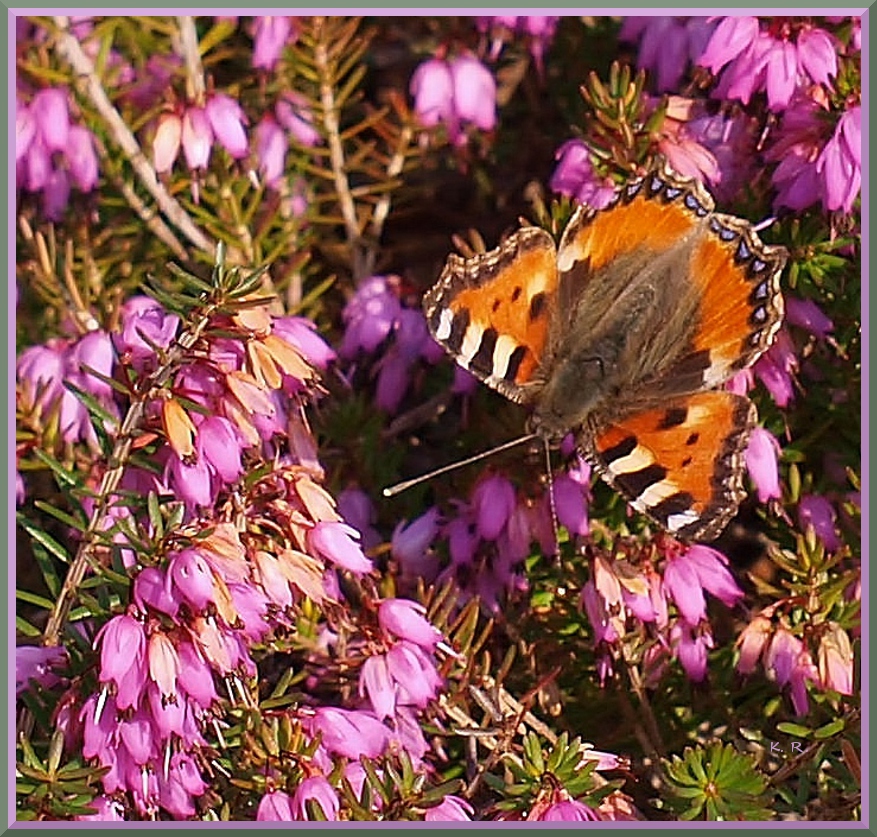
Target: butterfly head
<point>576,386</point>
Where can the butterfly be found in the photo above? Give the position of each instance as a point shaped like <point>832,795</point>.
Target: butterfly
<point>623,334</point>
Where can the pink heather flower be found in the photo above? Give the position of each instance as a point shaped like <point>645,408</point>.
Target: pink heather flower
<point>51,114</point>
<point>474,92</point>
<point>338,543</point>
<point>25,130</point>
<point>432,86</point>
<point>192,482</point>
<point>294,114</point>
<point>196,138</point>
<point>144,326</point>
<point>493,501</point>
<point>166,142</point>
<point>690,647</point>
<point>376,684</point>
<point>318,790</point>
<point>782,655</point>
<point>350,733</point>
<point>839,166</point>
<point>151,589</point>
<point>195,677</point>
<point>538,29</point>
<point>56,195</point>
<point>450,809</point>
<point>219,444</point>
<point>571,500</point>
<point>275,806</point>
<point>667,67</point>
<point>595,608</point>
<point>712,573</point>
<point>806,314</point>
<point>271,148</point>
<point>227,120</point>
<point>410,545</point>
<point>803,671</point>
<point>406,619</point>
<point>369,317</point>
<point>568,810</point>
<point>35,663</point>
<point>776,367</point>
<point>761,457</point>
<point>814,510</point>
<point>182,784</point>
<point>759,61</point>
<point>683,585</point>
<point>302,333</point>
<point>270,35</point>
<point>575,176</point>
<point>357,509</point>
<point>123,658</point>
<point>191,577</point>
<point>81,158</point>
<point>836,660</point>
<point>752,642</point>
<point>461,90</point>
<point>414,674</point>
<point>105,809</point>
<point>164,663</point>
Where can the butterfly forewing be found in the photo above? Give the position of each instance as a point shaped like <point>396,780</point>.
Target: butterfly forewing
<point>491,311</point>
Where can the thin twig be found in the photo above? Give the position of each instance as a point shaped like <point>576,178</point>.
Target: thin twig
<point>382,210</point>
<point>195,87</point>
<point>69,49</point>
<point>336,150</point>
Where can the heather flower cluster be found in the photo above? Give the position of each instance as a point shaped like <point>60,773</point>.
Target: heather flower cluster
<point>225,228</point>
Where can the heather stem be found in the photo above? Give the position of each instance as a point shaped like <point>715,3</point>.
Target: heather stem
<point>336,151</point>
<point>69,48</point>
<point>192,57</point>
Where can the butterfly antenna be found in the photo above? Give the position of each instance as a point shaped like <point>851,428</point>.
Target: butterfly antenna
<point>399,487</point>
<point>763,225</point>
<point>551,500</point>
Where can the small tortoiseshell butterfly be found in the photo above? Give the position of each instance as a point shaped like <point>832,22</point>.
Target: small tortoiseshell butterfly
<point>622,334</point>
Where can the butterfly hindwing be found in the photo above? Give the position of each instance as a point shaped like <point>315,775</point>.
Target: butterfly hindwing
<point>680,463</point>
<point>491,312</point>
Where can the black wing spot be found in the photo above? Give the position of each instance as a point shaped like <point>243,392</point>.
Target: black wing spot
<point>516,293</point>
<point>624,448</point>
<point>673,418</point>
<point>686,462</point>
<point>692,439</point>
<point>496,303</point>
<point>537,305</point>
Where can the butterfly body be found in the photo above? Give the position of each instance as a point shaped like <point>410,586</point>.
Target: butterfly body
<point>621,334</point>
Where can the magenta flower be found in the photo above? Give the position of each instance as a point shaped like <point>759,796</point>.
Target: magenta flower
<point>36,664</point>
<point>406,619</point>
<point>302,333</point>
<point>51,114</point>
<point>316,789</point>
<point>595,608</point>
<point>338,543</point>
<point>839,166</point>
<point>413,674</point>
<point>376,684</point>
<point>227,120</point>
<point>816,511</point>
<point>493,501</point>
<point>195,677</point>
<point>196,138</point>
<point>144,326</point>
<point>192,578</point>
<point>576,178</point>
<point>569,810</point>
<point>271,148</point>
<point>756,60</point>
<point>806,314</point>
<point>571,500</point>
<point>350,733</point>
<point>357,509</point>
<point>711,569</point>
<point>82,158</point>
<point>776,367</point>
<point>761,457</point>
<point>450,809</point>
<point>275,806</point>
<point>690,647</point>
<point>294,114</point>
<point>474,92</point>
<point>455,92</point>
<point>369,317</point>
<point>803,672</point>
<point>183,782</point>
<point>689,37</point>
<point>105,809</point>
<point>782,654</point>
<point>270,34</point>
<point>123,658</point>
<point>410,545</point>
